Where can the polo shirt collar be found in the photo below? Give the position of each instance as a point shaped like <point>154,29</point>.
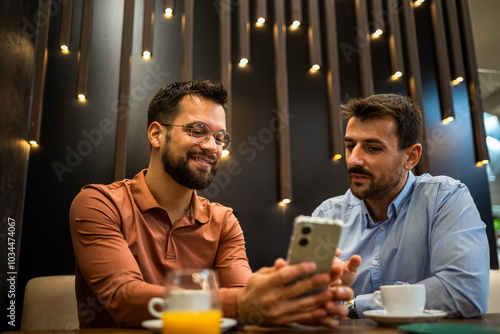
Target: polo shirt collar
<point>145,200</point>
<point>141,193</point>
<point>199,208</point>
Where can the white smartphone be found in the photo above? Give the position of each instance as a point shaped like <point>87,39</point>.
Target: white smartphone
<point>314,239</point>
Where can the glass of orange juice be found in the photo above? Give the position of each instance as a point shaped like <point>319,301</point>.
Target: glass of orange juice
<point>192,303</point>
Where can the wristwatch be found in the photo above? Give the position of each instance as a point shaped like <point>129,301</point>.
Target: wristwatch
<point>352,312</point>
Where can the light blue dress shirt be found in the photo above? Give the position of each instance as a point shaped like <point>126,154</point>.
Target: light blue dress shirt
<point>434,236</point>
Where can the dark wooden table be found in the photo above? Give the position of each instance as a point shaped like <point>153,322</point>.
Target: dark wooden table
<point>365,326</point>
<point>368,326</point>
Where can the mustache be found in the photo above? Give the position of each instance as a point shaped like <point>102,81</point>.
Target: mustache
<point>358,170</point>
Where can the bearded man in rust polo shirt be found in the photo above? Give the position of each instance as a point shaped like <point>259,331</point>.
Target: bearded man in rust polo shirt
<point>128,234</point>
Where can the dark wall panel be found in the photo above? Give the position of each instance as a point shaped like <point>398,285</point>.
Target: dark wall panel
<point>77,140</point>
<point>18,24</point>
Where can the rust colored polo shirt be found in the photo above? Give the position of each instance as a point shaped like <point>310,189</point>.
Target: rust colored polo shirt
<point>124,244</point>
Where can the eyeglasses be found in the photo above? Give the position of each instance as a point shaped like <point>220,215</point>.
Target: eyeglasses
<point>200,132</point>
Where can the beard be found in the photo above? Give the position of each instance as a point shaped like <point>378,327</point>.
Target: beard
<point>376,188</point>
<point>180,171</point>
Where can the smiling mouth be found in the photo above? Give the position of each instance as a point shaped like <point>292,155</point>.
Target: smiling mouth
<point>205,161</point>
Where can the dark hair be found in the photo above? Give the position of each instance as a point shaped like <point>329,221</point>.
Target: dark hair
<point>408,115</point>
<point>163,106</point>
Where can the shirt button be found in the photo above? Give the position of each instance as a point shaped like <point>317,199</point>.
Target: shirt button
<point>374,262</point>
<point>382,228</point>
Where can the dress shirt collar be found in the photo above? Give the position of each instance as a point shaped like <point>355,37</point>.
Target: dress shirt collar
<point>145,200</point>
<point>399,201</point>
<point>396,204</point>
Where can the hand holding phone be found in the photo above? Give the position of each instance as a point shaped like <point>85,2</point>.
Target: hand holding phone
<point>314,239</point>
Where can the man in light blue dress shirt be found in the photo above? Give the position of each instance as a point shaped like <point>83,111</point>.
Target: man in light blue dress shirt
<point>407,229</point>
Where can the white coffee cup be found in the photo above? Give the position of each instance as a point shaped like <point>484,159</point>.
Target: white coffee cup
<point>181,300</point>
<point>407,299</point>
<point>187,290</point>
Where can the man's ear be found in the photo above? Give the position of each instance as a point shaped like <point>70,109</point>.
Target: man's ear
<point>413,154</point>
<point>155,134</point>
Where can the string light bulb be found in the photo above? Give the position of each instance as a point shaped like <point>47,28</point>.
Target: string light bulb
<point>315,67</point>
<point>482,163</point>
<point>397,75</point>
<point>261,21</point>
<point>243,62</point>
<point>82,97</point>
<point>337,157</point>
<point>377,33</point>
<point>225,153</point>
<point>169,12</point>
<point>295,24</point>
<point>419,2</point>
<point>448,120</point>
<point>64,49</point>
<point>285,201</point>
<point>458,80</point>
<point>146,55</point>
<point>33,143</point>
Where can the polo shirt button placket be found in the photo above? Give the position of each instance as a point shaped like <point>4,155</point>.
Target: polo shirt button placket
<point>170,249</point>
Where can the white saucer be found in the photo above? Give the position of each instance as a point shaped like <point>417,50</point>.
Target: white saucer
<point>394,320</point>
<point>157,324</point>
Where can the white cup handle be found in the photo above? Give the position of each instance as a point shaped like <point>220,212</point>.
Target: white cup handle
<point>151,306</point>
<point>375,298</point>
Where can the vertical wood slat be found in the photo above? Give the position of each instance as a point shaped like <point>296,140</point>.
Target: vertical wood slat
<point>333,81</point>
<point>414,76</point>
<point>187,40</point>
<point>66,18</point>
<point>476,103</point>
<point>39,73</point>
<point>444,76</point>
<point>261,9</point>
<point>279,34</point>
<point>296,11</point>
<point>225,54</point>
<point>456,45</point>
<point>168,4</point>
<point>314,34</point>
<point>365,58</point>
<point>244,29</point>
<point>124,91</point>
<point>378,15</point>
<point>84,51</point>
<point>148,26</point>
<point>395,43</point>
